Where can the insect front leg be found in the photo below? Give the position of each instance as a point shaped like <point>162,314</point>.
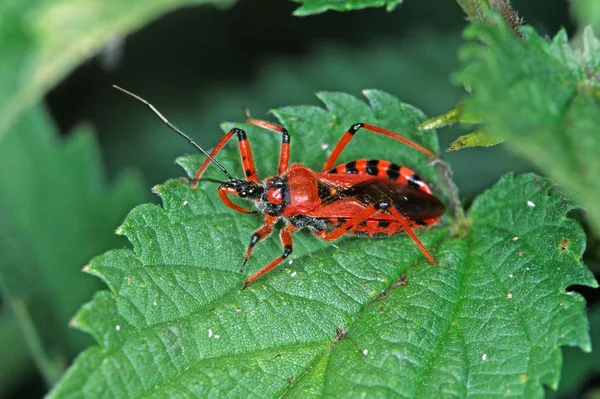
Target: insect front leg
<point>263,232</point>
<point>245,153</point>
<point>224,191</point>
<point>286,241</point>
<point>284,152</point>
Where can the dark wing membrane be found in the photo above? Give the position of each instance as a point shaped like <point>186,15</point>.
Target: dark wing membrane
<point>411,203</point>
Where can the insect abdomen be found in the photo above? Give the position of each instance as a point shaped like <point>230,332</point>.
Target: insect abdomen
<point>383,169</point>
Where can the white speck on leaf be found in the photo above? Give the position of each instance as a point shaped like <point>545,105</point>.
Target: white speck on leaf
<point>510,275</point>
<point>210,333</point>
<point>365,352</point>
<point>509,296</point>
<point>294,274</point>
<point>118,327</point>
<point>484,357</point>
<point>155,303</point>
<point>530,204</point>
<point>515,238</point>
<point>217,336</point>
<point>185,203</point>
<point>324,146</point>
<point>290,262</point>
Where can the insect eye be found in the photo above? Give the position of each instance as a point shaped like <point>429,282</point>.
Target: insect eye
<point>243,194</point>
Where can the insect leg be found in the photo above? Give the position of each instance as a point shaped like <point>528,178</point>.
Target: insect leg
<point>379,207</point>
<point>223,191</point>
<point>411,234</point>
<point>376,129</point>
<point>286,240</point>
<point>349,225</point>
<point>263,232</point>
<point>245,153</point>
<point>284,153</point>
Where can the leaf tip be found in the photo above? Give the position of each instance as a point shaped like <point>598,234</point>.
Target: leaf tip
<point>321,95</point>
<point>367,92</point>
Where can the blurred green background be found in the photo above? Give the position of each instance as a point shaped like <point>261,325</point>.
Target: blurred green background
<point>199,66</point>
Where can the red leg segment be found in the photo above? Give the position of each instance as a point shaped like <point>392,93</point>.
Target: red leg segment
<point>411,234</point>
<point>284,153</point>
<point>223,191</point>
<point>355,128</point>
<point>263,232</point>
<point>286,240</point>
<point>350,224</point>
<point>245,153</point>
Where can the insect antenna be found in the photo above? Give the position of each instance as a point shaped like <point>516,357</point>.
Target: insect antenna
<point>175,129</point>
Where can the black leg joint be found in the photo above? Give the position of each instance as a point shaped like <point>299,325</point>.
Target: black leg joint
<point>240,133</point>
<point>254,239</point>
<point>285,136</point>
<point>287,250</point>
<point>355,128</point>
<point>382,205</point>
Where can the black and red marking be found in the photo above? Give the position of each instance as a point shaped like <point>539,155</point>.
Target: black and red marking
<point>362,197</point>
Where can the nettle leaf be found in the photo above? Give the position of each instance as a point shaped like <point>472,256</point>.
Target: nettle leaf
<point>587,12</point>
<point>310,7</point>
<point>479,138</point>
<point>543,98</point>
<point>582,366</point>
<point>42,41</point>
<point>56,210</point>
<point>363,317</point>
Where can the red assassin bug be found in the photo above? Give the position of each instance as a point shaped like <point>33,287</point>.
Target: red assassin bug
<point>362,197</point>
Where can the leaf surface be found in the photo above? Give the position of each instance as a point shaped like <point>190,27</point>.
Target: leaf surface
<point>479,138</point>
<point>581,366</point>
<point>587,12</point>
<point>42,41</point>
<point>546,105</point>
<point>56,211</point>
<point>364,317</point>
<point>310,7</point>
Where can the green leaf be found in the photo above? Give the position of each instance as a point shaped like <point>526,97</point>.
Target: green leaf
<point>12,372</point>
<point>587,12</point>
<point>363,317</point>
<point>582,366</point>
<point>310,7</point>
<point>480,138</point>
<point>543,98</point>
<point>42,41</point>
<point>56,212</point>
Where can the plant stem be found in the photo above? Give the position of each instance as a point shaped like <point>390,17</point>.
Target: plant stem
<point>51,369</point>
<point>17,364</point>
